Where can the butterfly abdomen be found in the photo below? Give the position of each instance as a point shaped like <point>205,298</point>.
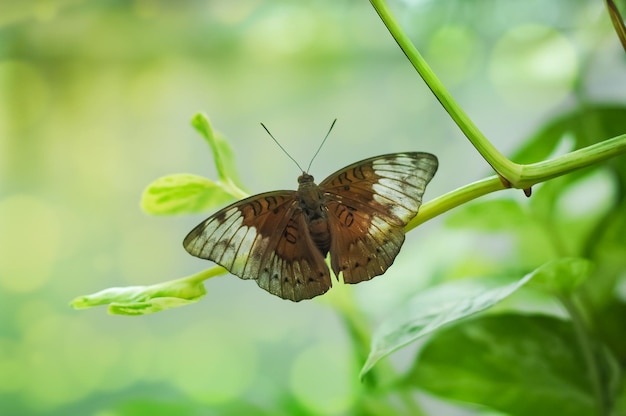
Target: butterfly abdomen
<point>320,234</point>
<point>312,203</point>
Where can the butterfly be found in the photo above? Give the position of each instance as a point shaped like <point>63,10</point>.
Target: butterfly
<point>281,238</point>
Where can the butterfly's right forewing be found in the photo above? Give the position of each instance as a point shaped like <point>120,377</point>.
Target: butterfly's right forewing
<point>369,204</point>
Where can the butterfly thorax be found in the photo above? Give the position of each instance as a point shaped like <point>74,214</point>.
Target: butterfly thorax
<point>313,205</point>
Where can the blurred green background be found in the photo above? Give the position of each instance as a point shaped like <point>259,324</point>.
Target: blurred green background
<point>95,103</point>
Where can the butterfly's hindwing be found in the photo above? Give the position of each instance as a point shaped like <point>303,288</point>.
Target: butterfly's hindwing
<point>294,269</point>
<point>365,247</point>
<point>265,238</point>
<point>369,203</point>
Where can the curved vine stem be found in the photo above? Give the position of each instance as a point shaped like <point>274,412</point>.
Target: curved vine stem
<point>512,174</point>
<point>497,160</point>
<point>618,22</point>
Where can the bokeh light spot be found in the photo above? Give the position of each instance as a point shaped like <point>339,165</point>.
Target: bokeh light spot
<point>222,368</point>
<point>454,53</point>
<point>595,193</point>
<point>141,242</point>
<point>29,245</point>
<point>230,12</point>
<point>13,375</point>
<point>24,88</point>
<point>40,360</point>
<point>324,379</point>
<point>534,66</point>
<point>284,32</point>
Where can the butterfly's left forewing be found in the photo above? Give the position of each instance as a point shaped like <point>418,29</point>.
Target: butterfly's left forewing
<point>369,203</point>
<point>264,238</point>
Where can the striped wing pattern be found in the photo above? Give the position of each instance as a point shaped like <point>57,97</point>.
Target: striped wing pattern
<point>369,204</point>
<point>264,238</point>
<point>267,237</point>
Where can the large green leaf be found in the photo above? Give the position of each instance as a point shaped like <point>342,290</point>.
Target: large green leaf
<point>609,326</point>
<point>183,193</point>
<point>434,308</point>
<point>562,276</point>
<point>521,365</point>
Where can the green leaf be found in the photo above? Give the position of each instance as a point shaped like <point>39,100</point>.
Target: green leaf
<point>493,215</point>
<point>183,193</point>
<point>562,276</point>
<point>521,365</point>
<point>434,308</point>
<point>620,401</point>
<point>143,300</point>
<point>609,326</point>
<point>147,307</point>
<point>186,193</point>
<point>222,152</point>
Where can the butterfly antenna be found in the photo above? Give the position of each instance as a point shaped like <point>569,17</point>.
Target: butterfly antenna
<point>282,148</point>
<point>322,144</point>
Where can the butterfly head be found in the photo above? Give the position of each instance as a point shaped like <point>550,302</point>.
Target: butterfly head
<point>305,178</point>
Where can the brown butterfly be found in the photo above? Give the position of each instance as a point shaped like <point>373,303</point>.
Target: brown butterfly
<point>281,238</point>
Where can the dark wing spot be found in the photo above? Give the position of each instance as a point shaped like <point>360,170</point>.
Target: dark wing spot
<point>298,281</point>
<point>346,188</point>
<point>321,274</point>
<point>356,264</point>
<point>311,280</point>
<point>344,267</point>
<point>275,276</point>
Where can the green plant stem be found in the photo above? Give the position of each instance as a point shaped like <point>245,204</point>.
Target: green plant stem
<point>530,175</point>
<point>497,160</point>
<point>342,301</point>
<point>587,349</point>
<point>542,171</point>
<point>618,22</point>
<point>455,198</point>
<point>514,175</point>
<point>205,274</point>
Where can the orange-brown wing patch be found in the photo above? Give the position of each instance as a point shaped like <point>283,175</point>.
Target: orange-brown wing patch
<point>264,238</point>
<point>369,203</point>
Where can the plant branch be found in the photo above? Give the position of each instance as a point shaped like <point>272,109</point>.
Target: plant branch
<point>542,171</point>
<point>341,299</point>
<point>514,175</point>
<point>586,347</point>
<point>530,175</point>
<point>454,199</point>
<point>497,160</point>
<point>618,22</point>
